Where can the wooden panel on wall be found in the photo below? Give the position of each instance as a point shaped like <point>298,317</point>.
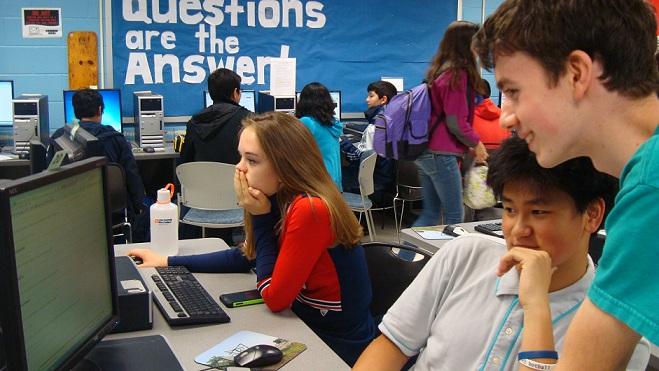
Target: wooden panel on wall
<point>83,59</point>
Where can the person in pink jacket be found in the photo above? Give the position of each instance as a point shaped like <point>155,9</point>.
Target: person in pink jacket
<point>454,84</point>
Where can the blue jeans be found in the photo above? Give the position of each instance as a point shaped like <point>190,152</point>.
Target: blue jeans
<point>442,189</point>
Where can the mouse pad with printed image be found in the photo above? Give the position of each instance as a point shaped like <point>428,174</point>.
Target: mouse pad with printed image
<point>221,355</point>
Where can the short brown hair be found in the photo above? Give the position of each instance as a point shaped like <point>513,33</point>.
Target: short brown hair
<point>619,33</point>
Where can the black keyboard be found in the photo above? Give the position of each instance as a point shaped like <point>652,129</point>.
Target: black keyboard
<point>493,229</point>
<point>181,299</point>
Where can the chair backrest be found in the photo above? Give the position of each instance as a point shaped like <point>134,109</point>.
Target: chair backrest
<point>207,185</point>
<point>407,174</point>
<point>116,186</point>
<point>389,274</point>
<point>366,170</point>
<point>408,184</point>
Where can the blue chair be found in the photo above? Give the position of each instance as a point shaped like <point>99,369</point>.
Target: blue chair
<point>207,198</point>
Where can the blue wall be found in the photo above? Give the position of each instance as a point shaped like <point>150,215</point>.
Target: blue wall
<point>40,65</point>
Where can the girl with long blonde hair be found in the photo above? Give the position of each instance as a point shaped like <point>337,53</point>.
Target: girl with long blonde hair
<point>302,237</point>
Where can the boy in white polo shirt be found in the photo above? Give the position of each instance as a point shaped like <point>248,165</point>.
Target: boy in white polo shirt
<point>458,314</point>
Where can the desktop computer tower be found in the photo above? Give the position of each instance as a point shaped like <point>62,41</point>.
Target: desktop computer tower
<point>30,120</point>
<point>267,102</point>
<point>149,114</point>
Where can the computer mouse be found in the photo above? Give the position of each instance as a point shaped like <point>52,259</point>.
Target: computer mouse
<point>24,156</point>
<point>148,149</point>
<point>136,259</point>
<point>454,230</point>
<point>258,356</point>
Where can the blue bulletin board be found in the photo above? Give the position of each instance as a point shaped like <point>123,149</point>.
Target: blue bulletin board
<point>343,44</point>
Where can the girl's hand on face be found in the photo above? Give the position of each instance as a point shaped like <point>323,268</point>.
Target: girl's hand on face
<point>249,198</point>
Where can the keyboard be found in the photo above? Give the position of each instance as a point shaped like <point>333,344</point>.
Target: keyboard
<point>181,299</point>
<point>493,229</point>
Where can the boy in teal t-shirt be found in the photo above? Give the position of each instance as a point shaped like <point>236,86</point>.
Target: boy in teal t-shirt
<point>578,82</point>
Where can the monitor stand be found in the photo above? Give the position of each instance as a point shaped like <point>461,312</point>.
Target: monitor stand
<point>139,353</point>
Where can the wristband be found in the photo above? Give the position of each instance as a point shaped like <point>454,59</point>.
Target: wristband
<point>550,354</point>
<point>536,365</point>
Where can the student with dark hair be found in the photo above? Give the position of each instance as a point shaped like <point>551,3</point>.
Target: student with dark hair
<point>578,81</point>
<point>212,134</point>
<point>315,109</point>
<point>454,83</point>
<point>458,315</point>
<point>88,107</point>
<point>379,94</point>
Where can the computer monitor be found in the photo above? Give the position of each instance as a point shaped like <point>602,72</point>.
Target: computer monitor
<point>336,98</point>
<point>57,281</point>
<point>111,113</point>
<point>6,95</point>
<point>79,145</point>
<point>247,99</point>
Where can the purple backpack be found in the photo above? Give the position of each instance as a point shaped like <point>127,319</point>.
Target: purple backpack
<point>401,132</point>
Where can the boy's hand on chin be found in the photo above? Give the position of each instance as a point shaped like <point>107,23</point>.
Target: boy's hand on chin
<point>535,271</point>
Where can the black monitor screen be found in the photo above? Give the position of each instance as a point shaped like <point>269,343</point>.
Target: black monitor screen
<point>6,95</point>
<point>150,104</point>
<point>26,109</point>
<point>57,275</point>
<point>111,112</point>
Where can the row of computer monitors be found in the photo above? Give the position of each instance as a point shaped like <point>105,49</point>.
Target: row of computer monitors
<point>112,100</point>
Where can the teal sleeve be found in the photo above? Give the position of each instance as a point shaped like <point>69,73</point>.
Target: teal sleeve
<point>627,281</point>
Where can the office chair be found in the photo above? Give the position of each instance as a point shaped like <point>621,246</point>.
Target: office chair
<point>208,195</point>
<point>389,274</point>
<point>408,188</point>
<point>118,200</point>
<point>360,202</point>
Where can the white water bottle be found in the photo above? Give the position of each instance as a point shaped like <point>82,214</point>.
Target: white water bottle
<point>164,223</point>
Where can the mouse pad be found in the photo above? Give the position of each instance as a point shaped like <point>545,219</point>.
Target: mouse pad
<point>221,355</point>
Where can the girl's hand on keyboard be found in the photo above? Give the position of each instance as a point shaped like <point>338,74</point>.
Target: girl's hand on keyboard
<point>149,258</point>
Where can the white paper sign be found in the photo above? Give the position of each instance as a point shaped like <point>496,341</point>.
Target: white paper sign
<point>396,81</point>
<point>282,77</point>
<point>41,22</point>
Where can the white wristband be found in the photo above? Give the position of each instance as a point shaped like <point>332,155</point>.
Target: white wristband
<point>536,365</point>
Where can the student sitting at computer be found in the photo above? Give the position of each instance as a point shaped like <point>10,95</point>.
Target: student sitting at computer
<point>212,134</point>
<point>379,94</point>
<point>315,109</point>
<point>458,315</point>
<point>301,236</point>
<point>88,108</point>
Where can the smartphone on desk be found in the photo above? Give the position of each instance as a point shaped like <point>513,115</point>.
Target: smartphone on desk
<point>241,299</point>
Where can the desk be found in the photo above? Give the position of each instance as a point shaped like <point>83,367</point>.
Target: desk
<point>412,237</point>
<point>13,168</point>
<point>189,341</point>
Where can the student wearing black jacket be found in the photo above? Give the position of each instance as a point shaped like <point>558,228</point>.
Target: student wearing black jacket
<point>88,108</point>
<point>212,134</point>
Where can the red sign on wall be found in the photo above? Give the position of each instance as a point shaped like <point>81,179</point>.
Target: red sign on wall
<point>42,22</point>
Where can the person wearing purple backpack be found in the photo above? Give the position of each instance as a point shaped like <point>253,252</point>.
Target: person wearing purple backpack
<point>454,84</point>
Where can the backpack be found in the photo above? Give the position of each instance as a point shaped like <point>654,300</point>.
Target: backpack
<point>401,132</point>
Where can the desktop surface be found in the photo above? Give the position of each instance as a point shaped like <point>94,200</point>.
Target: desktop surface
<point>189,341</point>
